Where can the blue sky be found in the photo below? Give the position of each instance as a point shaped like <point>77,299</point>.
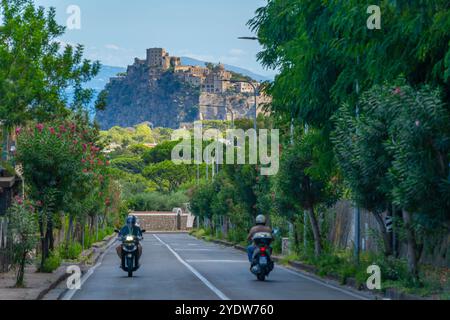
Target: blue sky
<point>116,31</point>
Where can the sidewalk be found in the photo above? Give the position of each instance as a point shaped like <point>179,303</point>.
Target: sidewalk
<point>39,284</point>
<point>36,283</point>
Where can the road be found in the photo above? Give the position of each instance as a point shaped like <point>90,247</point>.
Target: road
<point>181,267</point>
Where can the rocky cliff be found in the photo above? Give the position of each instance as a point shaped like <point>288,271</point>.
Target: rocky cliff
<point>143,94</point>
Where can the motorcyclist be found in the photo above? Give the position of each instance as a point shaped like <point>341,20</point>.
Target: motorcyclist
<point>259,227</point>
<point>131,228</point>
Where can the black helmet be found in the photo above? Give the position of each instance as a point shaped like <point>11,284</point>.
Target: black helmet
<point>131,220</point>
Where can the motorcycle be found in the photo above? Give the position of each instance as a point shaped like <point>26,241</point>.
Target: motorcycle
<point>130,254</point>
<point>262,263</point>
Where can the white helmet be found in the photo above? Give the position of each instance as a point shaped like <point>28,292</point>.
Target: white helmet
<point>260,219</point>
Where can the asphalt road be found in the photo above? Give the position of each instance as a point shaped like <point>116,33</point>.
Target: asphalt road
<point>181,267</point>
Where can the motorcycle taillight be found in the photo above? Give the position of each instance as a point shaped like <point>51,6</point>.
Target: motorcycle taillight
<point>263,251</point>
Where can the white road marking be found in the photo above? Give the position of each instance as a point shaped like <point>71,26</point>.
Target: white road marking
<point>182,249</point>
<point>301,275</point>
<point>71,292</point>
<point>218,261</point>
<point>219,293</point>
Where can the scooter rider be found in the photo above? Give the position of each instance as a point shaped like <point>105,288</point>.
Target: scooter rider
<point>259,227</point>
<point>131,228</point>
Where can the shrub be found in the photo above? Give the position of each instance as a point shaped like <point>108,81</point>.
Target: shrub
<point>52,262</point>
<point>155,201</point>
<point>71,252</point>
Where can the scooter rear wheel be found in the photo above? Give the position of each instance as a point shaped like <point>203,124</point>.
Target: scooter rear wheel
<point>261,277</point>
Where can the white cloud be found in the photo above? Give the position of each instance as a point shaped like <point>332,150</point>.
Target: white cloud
<point>237,52</point>
<point>112,47</point>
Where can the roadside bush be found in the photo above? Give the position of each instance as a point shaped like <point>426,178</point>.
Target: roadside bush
<point>71,252</point>
<point>155,201</point>
<point>52,262</point>
<point>237,235</point>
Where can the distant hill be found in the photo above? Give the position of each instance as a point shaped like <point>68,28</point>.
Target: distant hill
<point>106,72</point>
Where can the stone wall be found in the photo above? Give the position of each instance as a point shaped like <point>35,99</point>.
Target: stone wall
<point>162,221</point>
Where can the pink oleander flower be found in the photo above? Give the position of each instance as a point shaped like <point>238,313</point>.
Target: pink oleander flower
<point>84,146</point>
<point>52,130</point>
<point>18,130</point>
<point>19,200</point>
<point>75,142</point>
<point>62,128</point>
<point>397,90</point>
<point>83,160</point>
<point>40,127</point>
<point>39,203</point>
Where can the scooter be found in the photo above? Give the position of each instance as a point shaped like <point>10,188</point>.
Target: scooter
<point>130,254</point>
<point>262,263</point>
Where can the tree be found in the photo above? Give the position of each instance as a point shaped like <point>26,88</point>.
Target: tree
<point>397,152</point>
<point>314,182</point>
<point>162,152</point>
<point>62,166</point>
<point>166,175</point>
<point>128,164</point>
<point>34,72</point>
<point>362,154</point>
<point>323,48</point>
<point>201,200</point>
<point>23,232</point>
<point>420,145</point>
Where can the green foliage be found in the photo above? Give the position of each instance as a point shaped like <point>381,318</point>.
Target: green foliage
<point>23,232</point>
<point>52,262</point>
<point>321,48</point>
<point>71,251</point>
<point>34,71</point>
<point>420,145</point>
<point>314,182</point>
<point>166,175</point>
<point>397,150</point>
<point>201,200</point>
<point>162,152</point>
<point>128,164</point>
<point>155,201</point>
<point>125,137</point>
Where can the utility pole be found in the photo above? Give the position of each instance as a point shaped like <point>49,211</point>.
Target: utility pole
<point>357,213</point>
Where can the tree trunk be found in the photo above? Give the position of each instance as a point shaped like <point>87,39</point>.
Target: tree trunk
<point>51,239</point>
<point>387,236</point>
<point>43,240</point>
<point>21,271</point>
<point>411,244</point>
<point>316,232</point>
<point>295,233</point>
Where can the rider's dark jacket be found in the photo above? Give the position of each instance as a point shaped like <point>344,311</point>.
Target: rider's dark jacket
<point>130,230</point>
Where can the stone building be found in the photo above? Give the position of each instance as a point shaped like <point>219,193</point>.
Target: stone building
<point>245,87</point>
<point>214,81</point>
<point>160,58</point>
